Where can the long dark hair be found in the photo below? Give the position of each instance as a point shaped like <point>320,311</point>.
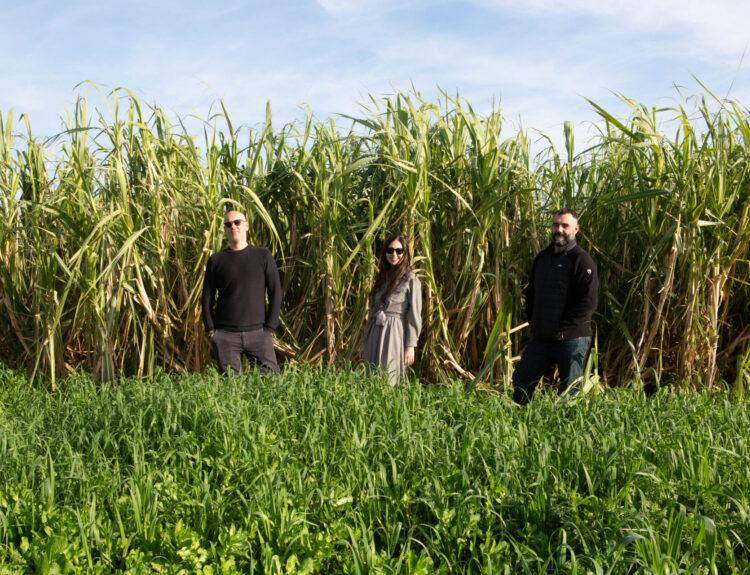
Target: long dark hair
<point>389,275</point>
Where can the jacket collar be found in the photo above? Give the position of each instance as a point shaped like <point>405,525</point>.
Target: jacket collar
<point>565,249</point>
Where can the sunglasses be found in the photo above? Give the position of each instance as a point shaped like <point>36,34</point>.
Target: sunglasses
<point>398,251</point>
<point>235,222</point>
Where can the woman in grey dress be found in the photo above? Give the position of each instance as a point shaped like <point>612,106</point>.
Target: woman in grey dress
<point>395,317</point>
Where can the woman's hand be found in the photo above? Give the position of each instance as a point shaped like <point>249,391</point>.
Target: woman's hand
<point>408,356</point>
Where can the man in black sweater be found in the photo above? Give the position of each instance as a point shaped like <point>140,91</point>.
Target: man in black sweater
<point>234,301</point>
<point>560,300</point>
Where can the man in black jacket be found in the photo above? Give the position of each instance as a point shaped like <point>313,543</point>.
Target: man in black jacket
<point>560,300</point>
<point>234,301</point>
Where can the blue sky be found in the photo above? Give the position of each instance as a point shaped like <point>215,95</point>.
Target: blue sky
<point>537,58</point>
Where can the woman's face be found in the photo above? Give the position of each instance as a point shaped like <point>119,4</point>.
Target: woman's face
<point>394,253</point>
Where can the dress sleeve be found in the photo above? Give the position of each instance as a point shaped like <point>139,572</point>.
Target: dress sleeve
<point>414,313</point>
<point>370,318</point>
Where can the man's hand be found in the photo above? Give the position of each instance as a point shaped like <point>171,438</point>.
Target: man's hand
<point>408,356</point>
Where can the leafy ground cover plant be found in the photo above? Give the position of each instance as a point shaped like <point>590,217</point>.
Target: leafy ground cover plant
<point>326,471</point>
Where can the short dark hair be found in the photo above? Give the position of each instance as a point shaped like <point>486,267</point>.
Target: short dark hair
<point>563,211</point>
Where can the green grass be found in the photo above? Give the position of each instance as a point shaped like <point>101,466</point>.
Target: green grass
<point>323,471</point>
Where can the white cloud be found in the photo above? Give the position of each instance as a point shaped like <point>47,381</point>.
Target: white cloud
<point>538,58</point>
<point>717,26</point>
<point>371,8</point>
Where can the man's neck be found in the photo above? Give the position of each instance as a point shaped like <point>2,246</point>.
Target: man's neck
<point>235,247</point>
<point>566,247</point>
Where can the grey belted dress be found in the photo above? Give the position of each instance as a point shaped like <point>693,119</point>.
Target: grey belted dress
<point>392,327</point>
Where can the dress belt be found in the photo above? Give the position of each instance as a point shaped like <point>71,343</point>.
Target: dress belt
<point>381,314</point>
<point>395,314</point>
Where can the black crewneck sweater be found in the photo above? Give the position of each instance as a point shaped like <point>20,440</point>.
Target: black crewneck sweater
<point>234,290</point>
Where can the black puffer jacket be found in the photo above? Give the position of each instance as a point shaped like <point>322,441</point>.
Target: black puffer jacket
<point>562,293</point>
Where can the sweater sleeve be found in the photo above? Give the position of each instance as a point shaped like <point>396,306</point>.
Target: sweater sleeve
<point>208,298</point>
<point>414,314</point>
<point>273,288</point>
<point>585,294</point>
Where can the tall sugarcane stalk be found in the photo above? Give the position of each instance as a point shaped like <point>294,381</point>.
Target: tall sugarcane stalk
<point>106,231</point>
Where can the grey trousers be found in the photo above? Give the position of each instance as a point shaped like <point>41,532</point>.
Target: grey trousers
<point>227,348</point>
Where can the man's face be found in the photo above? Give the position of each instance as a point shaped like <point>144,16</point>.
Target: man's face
<point>235,226</point>
<point>564,229</point>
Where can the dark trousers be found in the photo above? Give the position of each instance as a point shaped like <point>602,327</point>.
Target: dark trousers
<point>540,356</point>
<point>227,348</point>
